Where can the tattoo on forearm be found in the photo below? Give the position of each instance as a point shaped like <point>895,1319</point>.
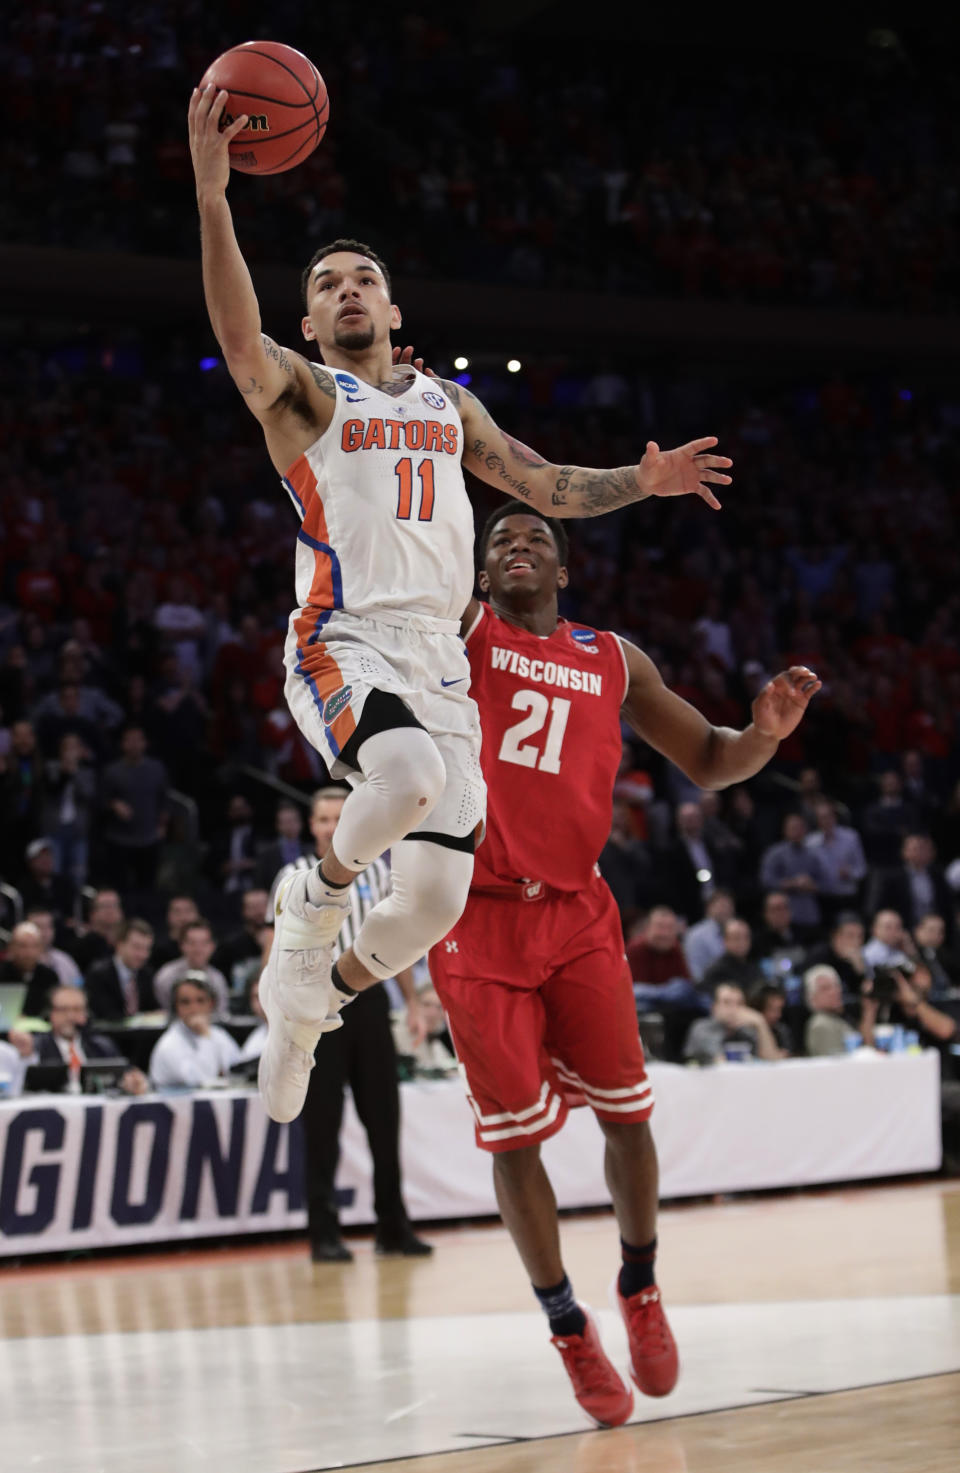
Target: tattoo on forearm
<point>252,388</point>
<point>591,492</point>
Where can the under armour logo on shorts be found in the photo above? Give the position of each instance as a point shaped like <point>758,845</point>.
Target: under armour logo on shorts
<point>451,946</point>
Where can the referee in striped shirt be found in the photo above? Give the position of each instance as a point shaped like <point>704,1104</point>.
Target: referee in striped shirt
<point>360,1054</point>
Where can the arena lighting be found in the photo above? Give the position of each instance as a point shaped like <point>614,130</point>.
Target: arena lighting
<point>207,363</point>
<point>461,362</point>
<point>514,365</point>
<point>703,875</point>
<point>464,379</point>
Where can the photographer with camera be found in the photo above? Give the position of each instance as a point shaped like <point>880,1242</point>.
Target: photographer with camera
<point>827,1031</point>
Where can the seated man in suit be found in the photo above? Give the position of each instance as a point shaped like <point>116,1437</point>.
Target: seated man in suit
<point>72,1041</point>
<point>121,985</point>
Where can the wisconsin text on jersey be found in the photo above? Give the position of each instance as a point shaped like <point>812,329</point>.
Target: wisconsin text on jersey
<point>546,672</point>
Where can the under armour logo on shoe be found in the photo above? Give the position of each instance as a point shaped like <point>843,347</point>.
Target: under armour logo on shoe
<point>451,946</point>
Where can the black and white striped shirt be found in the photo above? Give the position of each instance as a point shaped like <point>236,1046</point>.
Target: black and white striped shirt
<point>367,890</point>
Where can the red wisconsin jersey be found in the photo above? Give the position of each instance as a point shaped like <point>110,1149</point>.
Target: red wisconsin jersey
<point>550,714</point>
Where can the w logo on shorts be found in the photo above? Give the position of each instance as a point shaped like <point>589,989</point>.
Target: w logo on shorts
<point>336,703</point>
<point>451,946</point>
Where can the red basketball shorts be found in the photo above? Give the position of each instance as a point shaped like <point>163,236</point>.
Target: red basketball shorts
<point>540,1005</point>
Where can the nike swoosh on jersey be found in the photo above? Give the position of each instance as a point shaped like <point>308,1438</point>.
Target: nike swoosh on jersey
<point>452,682</point>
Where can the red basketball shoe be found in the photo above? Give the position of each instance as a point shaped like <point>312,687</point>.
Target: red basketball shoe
<point>596,1383</point>
<point>654,1362</point>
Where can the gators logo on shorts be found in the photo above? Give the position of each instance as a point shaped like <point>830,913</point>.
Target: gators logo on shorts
<point>336,703</point>
<point>586,638</point>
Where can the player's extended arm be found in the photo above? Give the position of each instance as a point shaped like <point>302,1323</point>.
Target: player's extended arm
<point>713,756</point>
<point>576,490</point>
<point>268,377</point>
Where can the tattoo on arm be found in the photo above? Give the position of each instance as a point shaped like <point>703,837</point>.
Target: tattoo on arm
<point>591,492</point>
<point>252,388</point>
<point>524,454</point>
<point>495,462</point>
<point>322,380</point>
<point>275,352</point>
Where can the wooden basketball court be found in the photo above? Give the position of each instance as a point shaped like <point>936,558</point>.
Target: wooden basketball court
<point>818,1331</point>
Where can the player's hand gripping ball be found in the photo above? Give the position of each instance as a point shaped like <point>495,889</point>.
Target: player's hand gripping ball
<point>284,97</point>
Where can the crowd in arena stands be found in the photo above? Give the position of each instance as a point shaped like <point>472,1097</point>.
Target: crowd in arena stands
<point>145,586</point>
<point>737,177</point>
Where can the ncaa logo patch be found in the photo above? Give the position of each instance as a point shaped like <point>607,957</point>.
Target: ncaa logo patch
<point>586,639</point>
<point>336,703</point>
<point>436,401</point>
<point>350,387</point>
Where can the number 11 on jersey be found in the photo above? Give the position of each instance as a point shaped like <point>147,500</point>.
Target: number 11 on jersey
<point>403,470</point>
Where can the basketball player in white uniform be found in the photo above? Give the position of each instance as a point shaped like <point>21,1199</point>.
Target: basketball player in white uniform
<point>377,676</point>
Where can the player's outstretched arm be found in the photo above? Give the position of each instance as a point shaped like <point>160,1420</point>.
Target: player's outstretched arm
<point>265,374</point>
<point>576,490</point>
<point>713,756</point>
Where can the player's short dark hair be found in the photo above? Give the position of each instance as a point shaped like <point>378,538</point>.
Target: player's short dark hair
<point>342,244</point>
<point>520,509</point>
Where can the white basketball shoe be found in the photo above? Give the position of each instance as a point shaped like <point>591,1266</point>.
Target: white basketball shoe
<point>297,994</point>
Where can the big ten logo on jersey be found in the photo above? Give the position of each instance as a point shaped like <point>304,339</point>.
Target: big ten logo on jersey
<point>398,434</point>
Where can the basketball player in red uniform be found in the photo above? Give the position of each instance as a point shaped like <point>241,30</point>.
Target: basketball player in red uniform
<point>533,976</point>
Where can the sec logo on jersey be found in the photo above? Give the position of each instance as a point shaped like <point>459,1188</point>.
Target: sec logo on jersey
<point>436,401</point>
<point>586,639</point>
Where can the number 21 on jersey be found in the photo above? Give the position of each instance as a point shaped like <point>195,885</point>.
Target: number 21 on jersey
<point>516,748</point>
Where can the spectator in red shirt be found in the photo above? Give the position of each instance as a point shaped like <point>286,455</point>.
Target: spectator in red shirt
<point>661,977</point>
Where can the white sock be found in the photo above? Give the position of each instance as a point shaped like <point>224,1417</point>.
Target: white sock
<point>321,892</point>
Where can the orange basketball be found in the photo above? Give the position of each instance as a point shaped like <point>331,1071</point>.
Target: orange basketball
<point>286,100</point>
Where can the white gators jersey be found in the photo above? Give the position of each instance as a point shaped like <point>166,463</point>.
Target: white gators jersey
<point>386,520</point>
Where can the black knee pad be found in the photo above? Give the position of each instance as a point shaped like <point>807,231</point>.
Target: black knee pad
<point>382,711</point>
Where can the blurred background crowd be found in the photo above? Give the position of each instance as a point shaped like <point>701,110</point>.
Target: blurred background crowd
<point>702,173</point>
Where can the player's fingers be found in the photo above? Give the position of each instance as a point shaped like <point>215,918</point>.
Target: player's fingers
<point>708,497</point>
<point>694,447</point>
<point>652,450</point>
<point>713,462</point>
<point>717,477</point>
<point>235,126</point>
